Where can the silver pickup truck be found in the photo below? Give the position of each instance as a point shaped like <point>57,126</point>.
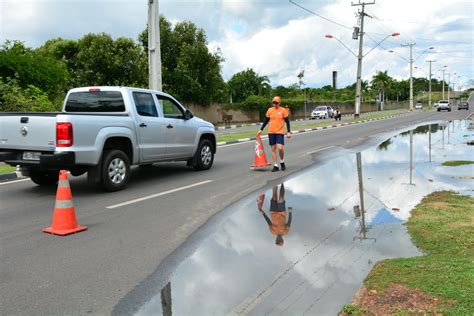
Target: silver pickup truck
<point>103,131</point>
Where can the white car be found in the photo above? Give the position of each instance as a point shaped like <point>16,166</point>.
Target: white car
<point>322,112</point>
<point>444,105</point>
<point>418,106</point>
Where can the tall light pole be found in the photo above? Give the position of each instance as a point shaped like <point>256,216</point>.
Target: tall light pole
<point>300,78</point>
<point>411,72</point>
<point>443,69</point>
<point>154,52</point>
<point>429,96</point>
<point>361,14</point>
<point>449,84</point>
<point>359,63</point>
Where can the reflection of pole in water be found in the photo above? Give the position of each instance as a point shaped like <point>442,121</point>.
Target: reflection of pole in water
<point>166,299</point>
<point>411,157</point>
<point>363,228</point>
<point>448,131</point>
<point>442,128</point>
<point>429,140</point>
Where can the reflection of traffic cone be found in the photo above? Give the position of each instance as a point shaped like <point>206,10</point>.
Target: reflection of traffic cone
<point>260,201</point>
<point>64,216</point>
<point>260,158</point>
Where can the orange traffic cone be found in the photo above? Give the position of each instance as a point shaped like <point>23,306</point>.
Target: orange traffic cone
<point>260,158</point>
<point>64,216</point>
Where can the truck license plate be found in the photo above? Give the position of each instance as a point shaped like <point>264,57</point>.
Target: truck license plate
<point>31,155</point>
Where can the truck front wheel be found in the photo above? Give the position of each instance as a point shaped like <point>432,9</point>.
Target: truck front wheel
<point>44,177</point>
<point>115,170</point>
<point>204,156</point>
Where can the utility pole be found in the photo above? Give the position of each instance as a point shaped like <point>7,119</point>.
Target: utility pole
<point>361,15</point>
<point>449,84</point>
<point>429,97</point>
<point>154,52</point>
<point>443,70</point>
<point>300,77</point>
<point>411,72</point>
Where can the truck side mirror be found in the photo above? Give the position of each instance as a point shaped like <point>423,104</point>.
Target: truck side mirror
<point>188,115</point>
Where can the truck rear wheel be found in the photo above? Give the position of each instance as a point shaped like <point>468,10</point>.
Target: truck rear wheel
<point>115,171</point>
<point>44,177</point>
<point>204,156</point>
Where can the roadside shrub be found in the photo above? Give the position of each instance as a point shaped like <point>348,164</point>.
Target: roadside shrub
<point>13,98</point>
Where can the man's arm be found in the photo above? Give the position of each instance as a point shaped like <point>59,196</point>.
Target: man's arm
<point>290,211</point>
<point>287,121</point>
<point>269,222</point>
<point>265,122</point>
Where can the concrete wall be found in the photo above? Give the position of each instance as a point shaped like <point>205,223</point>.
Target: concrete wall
<point>216,114</point>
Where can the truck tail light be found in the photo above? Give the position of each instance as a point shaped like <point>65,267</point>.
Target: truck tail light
<point>64,136</point>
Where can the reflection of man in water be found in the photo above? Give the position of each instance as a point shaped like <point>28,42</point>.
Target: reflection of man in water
<point>277,224</point>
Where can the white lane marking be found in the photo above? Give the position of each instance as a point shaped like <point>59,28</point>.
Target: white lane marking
<point>15,181</point>
<point>319,149</point>
<point>158,194</point>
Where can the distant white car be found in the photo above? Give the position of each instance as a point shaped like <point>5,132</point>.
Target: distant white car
<point>444,105</point>
<point>418,106</point>
<point>322,112</point>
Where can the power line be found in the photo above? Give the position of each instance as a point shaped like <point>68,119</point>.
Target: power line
<point>320,16</point>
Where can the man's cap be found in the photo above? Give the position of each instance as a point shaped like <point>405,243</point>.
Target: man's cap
<point>277,99</point>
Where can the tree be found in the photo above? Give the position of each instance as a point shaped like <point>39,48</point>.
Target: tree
<point>13,98</point>
<point>189,70</point>
<point>246,83</point>
<point>28,67</point>
<point>381,81</point>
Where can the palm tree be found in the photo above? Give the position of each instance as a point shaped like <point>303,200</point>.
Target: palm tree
<point>381,81</point>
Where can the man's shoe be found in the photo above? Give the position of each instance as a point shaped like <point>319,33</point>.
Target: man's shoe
<point>283,167</point>
<point>275,168</point>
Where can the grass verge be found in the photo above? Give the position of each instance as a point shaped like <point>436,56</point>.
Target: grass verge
<point>441,281</point>
<point>455,163</point>
<point>4,168</point>
<point>249,134</point>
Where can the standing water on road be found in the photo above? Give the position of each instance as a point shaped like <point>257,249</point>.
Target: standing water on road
<point>305,245</point>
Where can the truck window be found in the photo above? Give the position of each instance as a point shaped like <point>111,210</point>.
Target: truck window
<point>95,101</point>
<point>170,108</point>
<point>145,104</point>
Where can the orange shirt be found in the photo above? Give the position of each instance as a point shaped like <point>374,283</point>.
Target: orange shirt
<point>277,120</point>
<point>279,226</point>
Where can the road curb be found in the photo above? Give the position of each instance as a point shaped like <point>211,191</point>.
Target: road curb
<point>10,176</point>
<point>243,140</point>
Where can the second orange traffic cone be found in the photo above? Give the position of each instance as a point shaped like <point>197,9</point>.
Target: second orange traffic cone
<point>260,158</point>
<point>64,216</point>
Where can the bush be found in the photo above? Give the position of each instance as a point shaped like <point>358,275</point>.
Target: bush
<point>13,98</point>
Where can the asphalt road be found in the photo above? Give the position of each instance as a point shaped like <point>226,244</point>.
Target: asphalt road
<point>90,272</point>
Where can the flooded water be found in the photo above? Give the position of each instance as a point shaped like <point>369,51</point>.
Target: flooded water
<point>304,246</point>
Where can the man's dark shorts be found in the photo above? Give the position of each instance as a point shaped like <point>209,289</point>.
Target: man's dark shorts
<point>276,139</point>
<point>277,207</point>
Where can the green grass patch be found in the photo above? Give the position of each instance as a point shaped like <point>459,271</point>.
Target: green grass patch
<point>4,168</point>
<point>455,163</point>
<point>442,226</point>
<point>249,134</point>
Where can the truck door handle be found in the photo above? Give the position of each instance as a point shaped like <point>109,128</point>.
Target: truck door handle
<point>143,125</point>
<point>169,126</point>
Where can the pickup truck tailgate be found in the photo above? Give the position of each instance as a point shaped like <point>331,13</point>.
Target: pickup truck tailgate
<point>28,131</point>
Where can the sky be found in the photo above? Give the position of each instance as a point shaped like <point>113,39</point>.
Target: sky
<point>277,38</point>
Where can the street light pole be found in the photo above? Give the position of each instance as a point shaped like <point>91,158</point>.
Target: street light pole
<point>359,57</point>
<point>443,70</point>
<point>154,52</point>
<point>429,97</point>
<point>449,84</point>
<point>411,72</point>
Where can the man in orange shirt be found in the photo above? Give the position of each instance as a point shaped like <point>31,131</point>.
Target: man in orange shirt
<point>278,224</point>
<point>275,118</point>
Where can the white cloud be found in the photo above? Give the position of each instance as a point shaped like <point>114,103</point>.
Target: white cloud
<point>275,38</point>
